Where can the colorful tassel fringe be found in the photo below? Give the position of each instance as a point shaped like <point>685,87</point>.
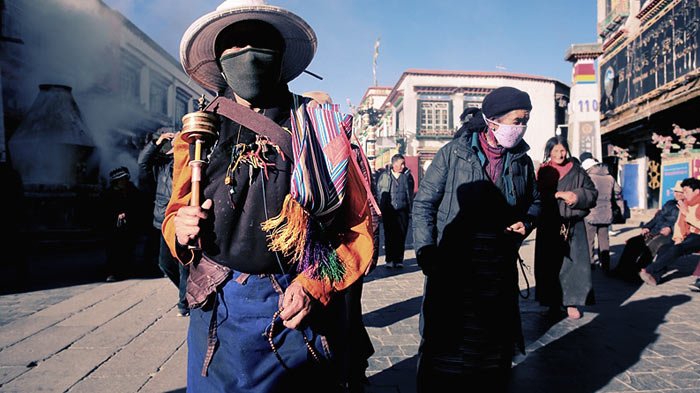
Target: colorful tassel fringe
<point>295,234</point>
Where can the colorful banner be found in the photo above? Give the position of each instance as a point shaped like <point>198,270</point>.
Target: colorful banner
<point>584,72</point>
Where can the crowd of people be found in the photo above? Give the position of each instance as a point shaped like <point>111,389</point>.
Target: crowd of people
<point>270,262</point>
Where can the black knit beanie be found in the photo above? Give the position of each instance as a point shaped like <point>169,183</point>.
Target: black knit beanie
<point>503,100</point>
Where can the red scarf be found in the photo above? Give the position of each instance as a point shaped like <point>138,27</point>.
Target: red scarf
<point>494,157</point>
<point>562,169</point>
<point>549,175</point>
<point>684,226</point>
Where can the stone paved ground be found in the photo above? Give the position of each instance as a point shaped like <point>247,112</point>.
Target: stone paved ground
<point>126,337</point>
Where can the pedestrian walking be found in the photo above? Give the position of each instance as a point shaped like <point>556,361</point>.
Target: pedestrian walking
<point>686,234</point>
<point>601,216</point>
<point>562,260</point>
<point>474,206</point>
<point>395,196</point>
<point>156,165</point>
<point>279,239</point>
<point>121,217</point>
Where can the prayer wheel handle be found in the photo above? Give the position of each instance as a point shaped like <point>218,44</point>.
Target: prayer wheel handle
<point>199,129</point>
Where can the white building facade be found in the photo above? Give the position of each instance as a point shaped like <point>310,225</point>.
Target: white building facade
<point>423,109</point>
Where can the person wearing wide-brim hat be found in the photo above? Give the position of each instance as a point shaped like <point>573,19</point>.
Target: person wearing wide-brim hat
<point>270,321</point>
<point>204,42</point>
<point>474,206</point>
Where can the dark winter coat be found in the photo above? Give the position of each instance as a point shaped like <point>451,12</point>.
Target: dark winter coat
<point>607,188</point>
<point>157,168</point>
<point>666,217</point>
<point>562,263</point>
<point>395,193</point>
<point>459,222</point>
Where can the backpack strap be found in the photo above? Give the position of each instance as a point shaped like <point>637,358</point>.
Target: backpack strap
<point>251,120</point>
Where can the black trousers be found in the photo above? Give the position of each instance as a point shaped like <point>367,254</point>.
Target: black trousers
<point>175,271</point>
<point>395,229</point>
<point>670,252</point>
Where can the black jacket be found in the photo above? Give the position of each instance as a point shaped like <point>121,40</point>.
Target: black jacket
<point>395,193</point>
<point>666,217</point>
<point>459,231</point>
<point>458,166</point>
<point>156,169</point>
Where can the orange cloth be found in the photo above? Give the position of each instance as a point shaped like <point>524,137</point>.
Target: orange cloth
<point>353,225</point>
<point>683,225</point>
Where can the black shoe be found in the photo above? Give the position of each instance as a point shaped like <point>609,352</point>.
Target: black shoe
<point>695,287</point>
<point>398,265</point>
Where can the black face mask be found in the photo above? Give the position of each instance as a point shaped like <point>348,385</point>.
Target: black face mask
<point>252,73</point>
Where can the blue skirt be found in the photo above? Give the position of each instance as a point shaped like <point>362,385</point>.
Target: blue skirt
<point>243,359</point>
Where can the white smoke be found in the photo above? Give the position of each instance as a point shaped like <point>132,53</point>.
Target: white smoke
<point>78,43</point>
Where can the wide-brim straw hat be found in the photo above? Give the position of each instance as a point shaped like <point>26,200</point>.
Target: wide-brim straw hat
<point>197,46</point>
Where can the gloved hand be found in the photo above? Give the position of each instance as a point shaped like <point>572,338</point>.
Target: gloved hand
<point>427,258</point>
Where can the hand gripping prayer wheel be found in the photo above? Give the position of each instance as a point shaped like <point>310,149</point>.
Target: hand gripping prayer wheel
<point>199,129</point>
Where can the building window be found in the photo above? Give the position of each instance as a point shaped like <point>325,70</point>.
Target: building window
<point>182,100</point>
<point>435,117</point>
<point>130,78</point>
<point>400,123</point>
<point>159,94</point>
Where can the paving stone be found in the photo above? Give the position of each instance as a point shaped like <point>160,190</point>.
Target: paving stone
<point>8,373</point>
<point>398,339</point>
<point>41,345</point>
<point>172,376</point>
<point>682,379</point>
<point>648,381</point>
<point>144,356</point>
<point>616,386</point>
<point>110,307</point>
<point>128,325</point>
<point>59,372</point>
<point>87,299</point>
<point>112,383</point>
<point>670,362</point>
<point>388,350</point>
<point>22,328</point>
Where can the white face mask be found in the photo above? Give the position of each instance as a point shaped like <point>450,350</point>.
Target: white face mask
<point>508,135</point>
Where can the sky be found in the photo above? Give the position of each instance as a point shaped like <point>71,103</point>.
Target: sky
<point>519,36</point>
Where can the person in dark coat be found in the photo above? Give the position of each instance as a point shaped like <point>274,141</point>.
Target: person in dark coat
<point>156,166</point>
<point>686,234</point>
<point>601,216</point>
<point>562,260</point>
<point>475,204</point>
<point>122,215</point>
<point>395,197</point>
<point>641,249</point>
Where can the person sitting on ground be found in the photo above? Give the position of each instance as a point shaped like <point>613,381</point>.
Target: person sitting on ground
<point>686,234</point>
<point>640,250</point>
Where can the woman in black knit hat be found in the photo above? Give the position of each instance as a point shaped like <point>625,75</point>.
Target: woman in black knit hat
<point>477,201</point>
